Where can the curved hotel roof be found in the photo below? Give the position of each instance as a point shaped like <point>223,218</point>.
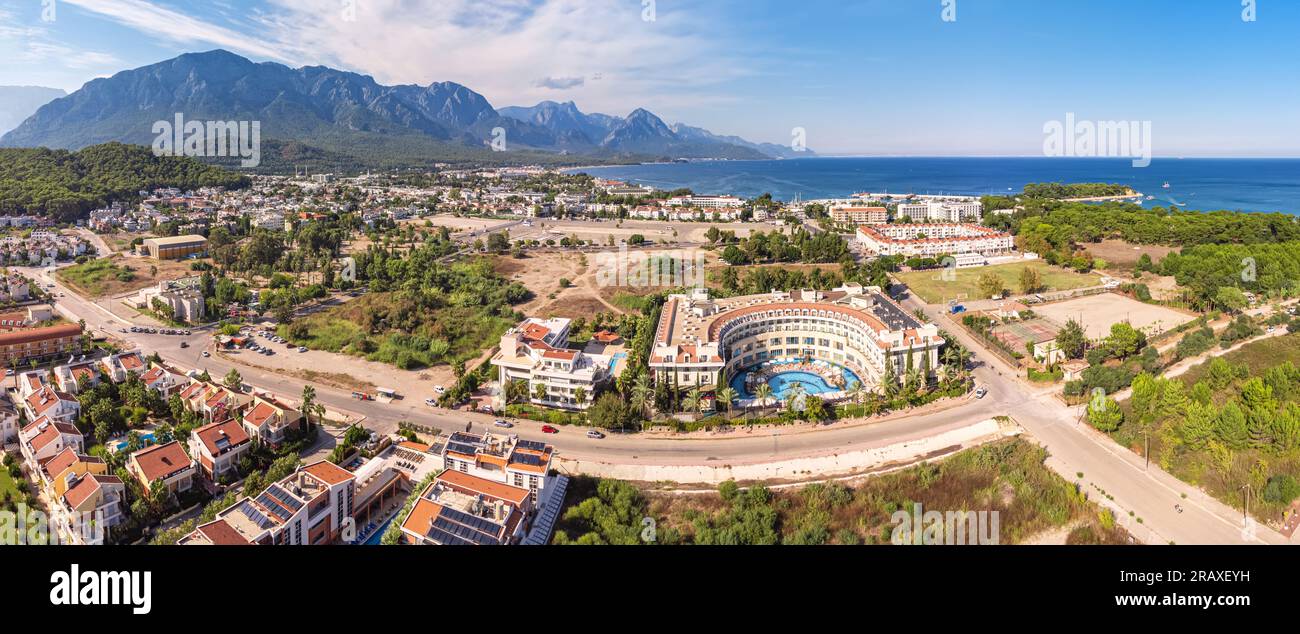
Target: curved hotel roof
<point>695,325</point>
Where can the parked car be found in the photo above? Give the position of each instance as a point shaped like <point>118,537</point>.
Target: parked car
<point>206,353</point>
<point>430,402</point>
<point>547,429</point>
<point>982,392</point>
<point>302,348</point>
<point>504,424</point>
<point>439,389</point>
<point>595,435</point>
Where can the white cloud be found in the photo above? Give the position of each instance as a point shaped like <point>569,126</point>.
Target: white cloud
<point>599,53</point>
<point>176,27</point>
<point>502,47</point>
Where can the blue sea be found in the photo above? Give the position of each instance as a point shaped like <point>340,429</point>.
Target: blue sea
<point>1194,184</point>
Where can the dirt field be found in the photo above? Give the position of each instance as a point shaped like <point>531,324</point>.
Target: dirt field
<point>100,278</point>
<point>1098,313</point>
<point>1123,255</point>
<point>541,274</point>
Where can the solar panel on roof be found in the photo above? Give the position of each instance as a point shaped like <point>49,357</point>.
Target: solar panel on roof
<point>255,515</point>
<point>464,532</point>
<point>479,524</point>
<point>280,494</point>
<point>528,459</point>
<point>443,537</point>
<point>533,445</point>
<point>268,502</point>
<point>461,448</point>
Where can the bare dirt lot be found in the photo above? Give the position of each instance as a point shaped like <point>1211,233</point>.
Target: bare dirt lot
<point>1098,313</point>
<point>117,275</point>
<point>541,273</point>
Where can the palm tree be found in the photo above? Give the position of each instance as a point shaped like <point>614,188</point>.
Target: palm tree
<point>539,391</point>
<point>792,395</point>
<point>694,400</point>
<point>726,396</point>
<point>516,391</point>
<point>579,396</point>
<point>914,379</point>
<point>308,401</point>
<point>763,392</point>
<point>643,394</point>
<point>944,375</point>
<point>950,356</point>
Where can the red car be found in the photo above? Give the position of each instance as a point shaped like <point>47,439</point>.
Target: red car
<point>547,429</point>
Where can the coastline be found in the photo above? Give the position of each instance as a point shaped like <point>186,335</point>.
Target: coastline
<point>1228,184</point>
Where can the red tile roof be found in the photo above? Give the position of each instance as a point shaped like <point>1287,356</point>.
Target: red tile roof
<point>221,533</point>
<point>328,472</point>
<point>233,432</point>
<point>162,461</point>
<point>87,486</point>
<point>34,335</point>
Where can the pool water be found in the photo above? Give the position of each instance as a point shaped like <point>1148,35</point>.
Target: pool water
<point>782,383</point>
<point>146,438</point>
<point>613,363</point>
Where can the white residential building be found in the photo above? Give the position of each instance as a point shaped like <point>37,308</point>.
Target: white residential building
<point>536,353</point>
<point>932,240</point>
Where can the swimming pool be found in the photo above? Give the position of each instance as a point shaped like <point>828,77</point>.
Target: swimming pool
<point>783,382</point>
<point>613,363</point>
<point>147,438</point>
<point>374,540</point>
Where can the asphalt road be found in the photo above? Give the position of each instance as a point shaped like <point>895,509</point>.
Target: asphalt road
<point>1148,493</point>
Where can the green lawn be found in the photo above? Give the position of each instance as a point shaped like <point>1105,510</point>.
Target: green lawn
<point>7,489</point>
<point>933,289</point>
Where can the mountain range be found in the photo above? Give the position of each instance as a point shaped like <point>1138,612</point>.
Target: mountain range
<point>19,102</point>
<point>324,112</point>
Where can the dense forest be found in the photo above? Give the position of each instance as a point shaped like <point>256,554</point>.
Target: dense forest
<point>1075,190</point>
<point>1264,269</point>
<point>66,185</point>
<point>1093,223</point>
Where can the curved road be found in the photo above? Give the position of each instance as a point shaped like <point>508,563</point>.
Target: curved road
<point>1148,493</point>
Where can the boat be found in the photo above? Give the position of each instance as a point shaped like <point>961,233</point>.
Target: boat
<point>1166,185</point>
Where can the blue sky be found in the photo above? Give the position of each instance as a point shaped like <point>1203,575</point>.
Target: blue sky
<point>878,77</point>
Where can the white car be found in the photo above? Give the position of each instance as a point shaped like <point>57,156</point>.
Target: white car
<point>982,392</point>
<point>439,389</point>
<point>430,402</point>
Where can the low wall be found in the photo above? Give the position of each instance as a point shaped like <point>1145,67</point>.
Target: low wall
<point>796,469</point>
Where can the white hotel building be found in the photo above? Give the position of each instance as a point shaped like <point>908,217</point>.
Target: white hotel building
<point>706,202</point>
<point>943,211</point>
<point>934,240</point>
<point>699,339</point>
<point>536,352</point>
